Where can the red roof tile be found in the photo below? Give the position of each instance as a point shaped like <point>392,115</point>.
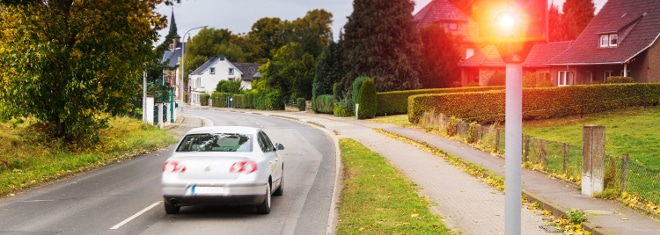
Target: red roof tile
<point>637,23</point>
<point>439,11</point>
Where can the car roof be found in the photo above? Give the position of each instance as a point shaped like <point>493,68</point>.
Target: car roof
<point>224,129</point>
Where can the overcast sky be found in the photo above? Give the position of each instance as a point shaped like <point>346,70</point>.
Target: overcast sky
<point>239,15</point>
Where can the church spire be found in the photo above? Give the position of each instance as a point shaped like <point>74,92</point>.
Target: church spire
<point>173,29</point>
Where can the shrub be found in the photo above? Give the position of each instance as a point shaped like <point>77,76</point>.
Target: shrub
<point>356,89</point>
<point>619,79</point>
<point>239,102</point>
<point>324,104</point>
<point>396,102</point>
<point>300,102</point>
<point>539,103</point>
<point>343,109</point>
<point>219,99</point>
<point>204,99</point>
<point>367,99</point>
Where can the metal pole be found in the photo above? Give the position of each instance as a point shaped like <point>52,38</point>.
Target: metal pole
<point>183,63</point>
<point>144,96</point>
<point>513,155</point>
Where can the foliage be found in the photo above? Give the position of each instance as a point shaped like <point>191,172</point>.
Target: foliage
<point>442,54</point>
<point>301,104</point>
<point>66,72</point>
<point>329,70</point>
<point>576,17</point>
<point>302,73</point>
<point>204,99</point>
<point>232,87</point>
<point>378,199</point>
<point>396,102</point>
<point>381,41</point>
<point>29,157</point>
<point>619,79</point>
<point>367,99</point>
<point>536,80</point>
<point>220,99</point>
<point>539,103</point>
<point>343,108</point>
<point>357,83</point>
<point>324,104</point>
<point>576,216</point>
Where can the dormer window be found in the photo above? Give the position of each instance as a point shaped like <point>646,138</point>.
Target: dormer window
<point>609,40</point>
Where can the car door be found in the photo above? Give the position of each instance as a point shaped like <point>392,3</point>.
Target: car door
<point>271,154</point>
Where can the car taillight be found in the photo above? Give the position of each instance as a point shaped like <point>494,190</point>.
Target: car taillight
<point>174,167</point>
<point>243,167</point>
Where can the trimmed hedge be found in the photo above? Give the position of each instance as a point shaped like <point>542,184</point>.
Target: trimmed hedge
<point>204,99</point>
<point>220,99</point>
<point>396,102</point>
<point>539,103</point>
<point>367,99</point>
<point>300,102</point>
<point>324,104</point>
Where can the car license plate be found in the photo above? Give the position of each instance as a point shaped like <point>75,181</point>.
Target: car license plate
<point>205,190</point>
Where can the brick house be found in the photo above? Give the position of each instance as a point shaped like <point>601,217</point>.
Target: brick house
<point>619,41</point>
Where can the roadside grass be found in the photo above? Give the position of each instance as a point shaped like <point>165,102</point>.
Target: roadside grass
<point>377,199</point>
<point>29,158</point>
<point>400,120</point>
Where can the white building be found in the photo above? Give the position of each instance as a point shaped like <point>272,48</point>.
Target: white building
<point>205,78</point>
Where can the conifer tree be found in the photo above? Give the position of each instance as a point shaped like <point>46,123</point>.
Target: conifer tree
<point>382,42</point>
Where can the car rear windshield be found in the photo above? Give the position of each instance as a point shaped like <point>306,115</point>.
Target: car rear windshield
<point>216,142</point>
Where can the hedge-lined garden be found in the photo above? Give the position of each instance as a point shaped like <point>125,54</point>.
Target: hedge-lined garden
<point>396,102</point>
<point>539,103</point>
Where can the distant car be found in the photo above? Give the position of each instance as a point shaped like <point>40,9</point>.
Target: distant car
<point>223,165</point>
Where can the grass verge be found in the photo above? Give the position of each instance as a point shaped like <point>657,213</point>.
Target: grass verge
<point>29,158</point>
<point>377,199</point>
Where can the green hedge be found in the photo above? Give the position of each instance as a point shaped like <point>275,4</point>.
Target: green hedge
<point>396,102</point>
<point>300,102</point>
<point>539,103</point>
<point>220,99</point>
<point>324,104</point>
<point>367,99</point>
<point>204,99</point>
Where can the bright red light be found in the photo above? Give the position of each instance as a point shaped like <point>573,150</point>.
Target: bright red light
<point>174,167</point>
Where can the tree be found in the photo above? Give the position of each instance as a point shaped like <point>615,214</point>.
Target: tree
<point>313,31</point>
<point>66,63</point>
<point>367,99</point>
<point>268,35</point>
<point>577,15</point>
<point>440,58</point>
<point>329,70</point>
<point>381,41</point>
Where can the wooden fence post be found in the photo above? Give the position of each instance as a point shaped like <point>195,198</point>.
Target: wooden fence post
<point>497,140</point>
<point>624,172</point>
<point>526,148</point>
<point>566,158</point>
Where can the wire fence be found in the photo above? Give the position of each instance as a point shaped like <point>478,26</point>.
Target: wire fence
<point>558,159</point>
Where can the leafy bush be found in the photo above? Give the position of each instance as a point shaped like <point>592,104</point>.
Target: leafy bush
<point>238,101</point>
<point>357,83</point>
<point>324,104</point>
<point>367,99</point>
<point>219,99</point>
<point>343,109</point>
<point>619,79</point>
<point>396,102</point>
<point>300,102</point>
<point>204,99</point>
<point>539,103</point>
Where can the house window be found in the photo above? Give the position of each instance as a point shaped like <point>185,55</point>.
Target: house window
<point>231,71</point>
<point>564,78</point>
<point>609,40</point>
<point>212,70</point>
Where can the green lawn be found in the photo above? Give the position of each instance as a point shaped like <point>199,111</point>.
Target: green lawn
<point>377,199</point>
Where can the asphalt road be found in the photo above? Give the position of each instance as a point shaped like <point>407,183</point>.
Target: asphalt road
<point>125,198</point>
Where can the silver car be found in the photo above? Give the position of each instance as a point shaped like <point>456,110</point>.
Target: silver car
<point>223,165</point>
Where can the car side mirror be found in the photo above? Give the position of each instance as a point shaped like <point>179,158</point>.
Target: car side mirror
<point>279,146</point>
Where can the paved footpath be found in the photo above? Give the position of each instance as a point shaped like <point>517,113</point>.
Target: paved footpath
<point>468,204</point>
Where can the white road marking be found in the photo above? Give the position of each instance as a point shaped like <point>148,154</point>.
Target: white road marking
<point>135,215</point>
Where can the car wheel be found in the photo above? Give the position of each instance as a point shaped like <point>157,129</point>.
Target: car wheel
<point>280,190</point>
<point>171,209</point>
<point>264,207</point>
